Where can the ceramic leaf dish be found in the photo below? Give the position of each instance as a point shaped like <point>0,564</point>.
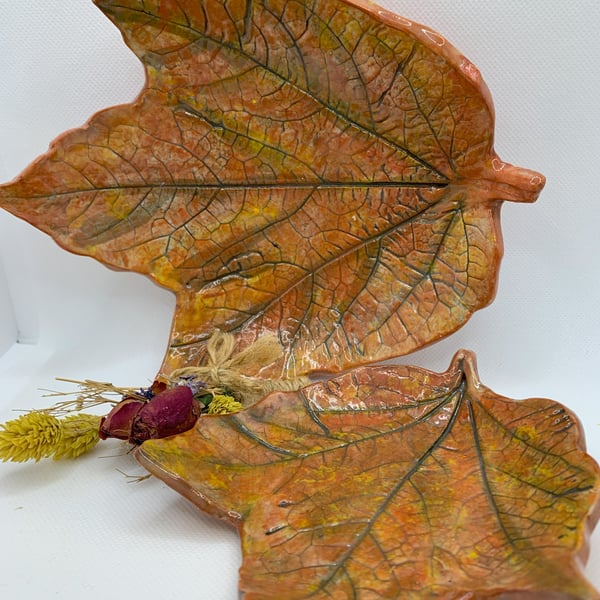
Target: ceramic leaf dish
<point>317,184</point>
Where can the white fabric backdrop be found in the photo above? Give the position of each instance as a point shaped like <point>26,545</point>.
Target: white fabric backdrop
<point>79,529</point>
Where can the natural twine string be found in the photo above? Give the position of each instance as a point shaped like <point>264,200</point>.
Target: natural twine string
<point>226,370</point>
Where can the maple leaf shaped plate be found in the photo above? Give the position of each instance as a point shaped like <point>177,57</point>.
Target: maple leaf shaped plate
<point>320,169</point>
<point>395,482</point>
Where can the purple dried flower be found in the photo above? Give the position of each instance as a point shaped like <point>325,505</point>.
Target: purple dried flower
<point>196,385</point>
<point>155,388</point>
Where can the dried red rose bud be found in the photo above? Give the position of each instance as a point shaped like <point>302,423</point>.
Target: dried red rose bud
<point>168,413</point>
<point>118,422</point>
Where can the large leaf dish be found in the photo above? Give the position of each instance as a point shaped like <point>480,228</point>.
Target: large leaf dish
<point>320,170</point>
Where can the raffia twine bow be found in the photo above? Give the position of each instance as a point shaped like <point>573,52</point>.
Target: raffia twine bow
<point>226,370</point>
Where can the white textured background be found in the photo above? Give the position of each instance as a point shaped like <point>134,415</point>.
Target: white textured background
<point>79,530</point>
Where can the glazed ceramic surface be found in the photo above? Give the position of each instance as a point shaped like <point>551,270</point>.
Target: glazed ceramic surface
<point>321,170</point>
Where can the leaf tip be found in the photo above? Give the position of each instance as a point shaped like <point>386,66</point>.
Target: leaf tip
<point>465,362</point>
